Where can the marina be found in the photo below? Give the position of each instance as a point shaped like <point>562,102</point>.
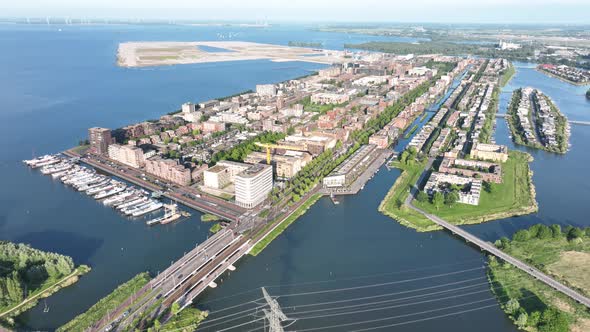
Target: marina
<point>128,200</point>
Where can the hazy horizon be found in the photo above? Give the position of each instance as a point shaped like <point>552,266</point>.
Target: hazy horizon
<point>307,11</point>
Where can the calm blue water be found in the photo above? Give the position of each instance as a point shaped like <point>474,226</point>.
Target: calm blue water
<point>55,84</point>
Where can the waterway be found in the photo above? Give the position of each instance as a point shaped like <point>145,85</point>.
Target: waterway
<point>55,84</point>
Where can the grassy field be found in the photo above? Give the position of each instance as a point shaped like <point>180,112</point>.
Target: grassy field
<point>515,196</point>
<point>566,260</point>
<point>284,224</point>
<point>108,303</point>
<point>392,205</point>
<point>209,217</point>
<point>507,75</point>
<point>215,228</point>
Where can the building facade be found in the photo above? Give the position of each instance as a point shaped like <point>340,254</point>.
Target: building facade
<point>100,139</point>
<point>253,185</point>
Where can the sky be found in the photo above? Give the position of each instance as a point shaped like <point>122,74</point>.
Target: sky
<point>447,11</point>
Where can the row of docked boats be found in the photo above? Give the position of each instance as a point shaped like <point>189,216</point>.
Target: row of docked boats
<point>128,200</point>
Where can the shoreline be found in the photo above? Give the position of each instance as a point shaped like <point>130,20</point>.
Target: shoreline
<point>563,79</point>
<point>533,207</point>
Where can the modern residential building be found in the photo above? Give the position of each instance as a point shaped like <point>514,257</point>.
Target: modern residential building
<point>492,152</point>
<point>127,154</point>
<point>483,170</point>
<point>439,182</point>
<point>253,185</point>
<point>100,139</point>
<point>169,170</point>
<point>266,90</point>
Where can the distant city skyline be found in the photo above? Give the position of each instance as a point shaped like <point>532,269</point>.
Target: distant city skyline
<point>460,11</point>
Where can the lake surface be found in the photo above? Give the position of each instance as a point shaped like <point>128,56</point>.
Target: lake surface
<point>55,84</point>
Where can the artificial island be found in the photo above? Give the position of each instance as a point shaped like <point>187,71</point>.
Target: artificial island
<point>257,160</point>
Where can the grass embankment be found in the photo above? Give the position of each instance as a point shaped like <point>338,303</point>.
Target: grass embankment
<point>185,321</point>
<point>507,75</point>
<point>565,256</point>
<point>513,197</point>
<point>393,203</point>
<point>108,303</point>
<point>215,228</point>
<point>209,217</point>
<point>413,130</point>
<point>283,225</point>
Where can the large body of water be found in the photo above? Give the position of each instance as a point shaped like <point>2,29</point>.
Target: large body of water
<point>55,84</point>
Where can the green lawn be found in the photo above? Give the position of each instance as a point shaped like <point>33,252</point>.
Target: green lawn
<point>392,204</point>
<point>209,217</point>
<point>108,303</point>
<point>515,196</point>
<point>215,228</point>
<point>284,224</point>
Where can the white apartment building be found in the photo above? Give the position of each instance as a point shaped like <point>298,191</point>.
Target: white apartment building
<point>253,185</point>
<point>127,154</point>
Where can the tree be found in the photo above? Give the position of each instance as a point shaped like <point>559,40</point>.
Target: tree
<point>553,320</point>
<point>521,321</point>
<point>451,198</point>
<point>575,233</point>
<point>521,236</point>
<point>556,230</point>
<point>512,306</point>
<point>175,309</point>
<point>438,199</point>
<point>488,187</point>
<point>534,318</point>
<point>157,325</point>
<point>544,232</point>
<point>422,197</point>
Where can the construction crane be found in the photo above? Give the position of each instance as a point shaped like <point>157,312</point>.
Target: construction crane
<point>270,146</point>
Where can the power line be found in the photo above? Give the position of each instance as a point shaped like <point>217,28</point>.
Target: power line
<point>381,284</point>
<point>410,314</point>
<point>339,280</point>
<point>390,307</point>
<point>394,306</point>
<point>355,288</point>
<point>352,300</point>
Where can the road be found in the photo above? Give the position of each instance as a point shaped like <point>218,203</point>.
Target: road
<point>185,195</point>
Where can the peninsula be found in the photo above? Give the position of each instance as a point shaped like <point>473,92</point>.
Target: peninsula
<point>459,175</point>
<point>28,275</point>
<point>536,122</point>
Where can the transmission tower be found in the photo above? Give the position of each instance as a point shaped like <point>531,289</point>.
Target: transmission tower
<point>274,315</point>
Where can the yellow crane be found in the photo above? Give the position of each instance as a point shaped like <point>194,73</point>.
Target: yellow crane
<point>270,146</point>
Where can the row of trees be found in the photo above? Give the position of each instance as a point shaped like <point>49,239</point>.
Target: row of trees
<point>311,174</point>
<point>524,53</point>
<point>550,320</point>
<point>24,267</point>
<point>543,232</point>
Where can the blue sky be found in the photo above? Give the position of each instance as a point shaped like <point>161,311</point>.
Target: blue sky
<point>472,11</point>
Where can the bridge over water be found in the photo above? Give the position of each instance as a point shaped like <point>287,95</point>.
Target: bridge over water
<point>492,249</point>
